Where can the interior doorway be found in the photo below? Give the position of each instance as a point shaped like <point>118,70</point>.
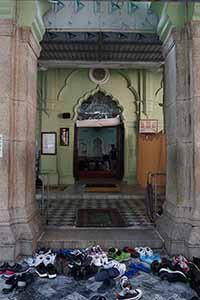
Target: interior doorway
<point>99,152</point>
<point>99,139</point>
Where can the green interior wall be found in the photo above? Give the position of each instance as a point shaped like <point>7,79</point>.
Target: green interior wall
<point>87,136</point>
<point>63,90</point>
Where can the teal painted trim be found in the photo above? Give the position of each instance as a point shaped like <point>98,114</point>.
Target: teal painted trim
<point>7,9</point>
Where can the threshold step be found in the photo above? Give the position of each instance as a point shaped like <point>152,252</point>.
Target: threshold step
<point>106,237</point>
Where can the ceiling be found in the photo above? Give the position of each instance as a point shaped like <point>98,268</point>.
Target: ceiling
<point>100,47</point>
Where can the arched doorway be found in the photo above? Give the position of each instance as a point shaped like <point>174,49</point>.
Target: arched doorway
<point>99,139</point>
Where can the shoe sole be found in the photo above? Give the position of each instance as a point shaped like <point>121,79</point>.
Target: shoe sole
<point>52,276</point>
<point>41,275</point>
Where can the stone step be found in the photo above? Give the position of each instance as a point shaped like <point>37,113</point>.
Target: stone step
<point>106,237</point>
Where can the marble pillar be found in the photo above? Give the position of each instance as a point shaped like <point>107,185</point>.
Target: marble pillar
<point>19,222</point>
<point>183,160</point>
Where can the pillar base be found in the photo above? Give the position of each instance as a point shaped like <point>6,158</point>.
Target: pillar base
<point>175,234</point>
<point>19,239</point>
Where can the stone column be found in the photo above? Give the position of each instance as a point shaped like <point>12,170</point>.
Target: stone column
<point>130,145</point>
<point>182,112</point>
<point>19,223</point>
<point>193,243</point>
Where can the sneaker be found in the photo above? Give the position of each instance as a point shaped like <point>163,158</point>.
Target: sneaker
<point>3,268</point>
<point>13,269</point>
<point>172,276</point>
<point>10,285</point>
<point>124,282</point>
<point>132,251</point>
<point>24,280</point>
<point>51,271</point>
<point>41,270</point>
<point>130,294</point>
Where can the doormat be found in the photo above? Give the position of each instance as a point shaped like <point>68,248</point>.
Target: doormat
<point>102,188</point>
<point>102,217</point>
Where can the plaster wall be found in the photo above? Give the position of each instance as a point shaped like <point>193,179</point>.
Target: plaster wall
<point>63,90</point>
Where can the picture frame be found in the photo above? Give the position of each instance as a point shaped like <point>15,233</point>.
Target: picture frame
<point>48,143</point>
<point>64,136</point>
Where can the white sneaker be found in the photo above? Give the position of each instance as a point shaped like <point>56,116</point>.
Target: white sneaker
<point>129,294</point>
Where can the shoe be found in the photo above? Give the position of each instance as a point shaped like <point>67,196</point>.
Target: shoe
<point>51,271</point>
<point>172,276</point>
<point>3,268</point>
<point>41,270</point>
<point>182,262</point>
<point>132,251</point>
<point>112,252</point>
<point>10,285</point>
<point>140,267</point>
<point>13,269</point>
<point>98,297</point>
<point>23,280</point>
<point>141,251</point>
<point>124,282</point>
<point>149,259</point>
<point>130,294</point>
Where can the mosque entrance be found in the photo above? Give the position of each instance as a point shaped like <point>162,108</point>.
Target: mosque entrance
<point>99,139</point>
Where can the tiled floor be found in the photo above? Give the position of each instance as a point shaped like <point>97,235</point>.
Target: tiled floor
<point>63,205</point>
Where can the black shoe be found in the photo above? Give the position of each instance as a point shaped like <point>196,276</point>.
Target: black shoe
<point>13,269</point>
<point>41,270</point>
<point>51,271</point>
<point>24,280</point>
<point>10,284</point>
<point>172,276</point>
<point>3,268</point>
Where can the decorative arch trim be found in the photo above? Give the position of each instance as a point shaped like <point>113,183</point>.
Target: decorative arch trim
<point>133,91</point>
<point>92,93</point>
<point>65,84</point>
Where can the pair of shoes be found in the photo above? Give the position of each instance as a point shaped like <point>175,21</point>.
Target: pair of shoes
<point>46,258</point>
<point>8,270</point>
<point>181,262</point>
<point>119,255</point>
<point>172,276</point>
<point>48,270</point>
<point>18,282</point>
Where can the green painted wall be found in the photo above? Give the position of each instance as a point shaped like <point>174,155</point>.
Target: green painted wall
<point>63,90</point>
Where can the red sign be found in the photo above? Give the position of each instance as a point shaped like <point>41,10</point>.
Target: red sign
<point>148,126</point>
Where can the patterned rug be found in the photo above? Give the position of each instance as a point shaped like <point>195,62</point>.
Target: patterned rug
<point>107,217</point>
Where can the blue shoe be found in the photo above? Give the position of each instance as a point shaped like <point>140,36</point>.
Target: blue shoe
<point>150,259</point>
<point>140,267</point>
<point>130,273</point>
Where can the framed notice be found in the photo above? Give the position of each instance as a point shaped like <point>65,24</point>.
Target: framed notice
<point>64,136</point>
<point>48,140</point>
<point>148,126</point>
